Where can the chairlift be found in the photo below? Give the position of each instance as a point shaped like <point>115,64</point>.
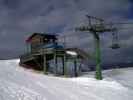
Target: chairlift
<point>115,43</point>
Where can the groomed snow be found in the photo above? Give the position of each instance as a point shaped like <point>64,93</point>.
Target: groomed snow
<point>17,83</point>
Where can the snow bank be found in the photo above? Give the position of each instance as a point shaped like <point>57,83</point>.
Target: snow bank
<point>17,83</point>
<point>98,83</point>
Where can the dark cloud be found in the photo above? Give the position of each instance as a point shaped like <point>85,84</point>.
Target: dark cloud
<point>20,18</point>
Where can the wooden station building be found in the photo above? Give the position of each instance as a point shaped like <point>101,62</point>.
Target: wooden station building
<point>43,47</point>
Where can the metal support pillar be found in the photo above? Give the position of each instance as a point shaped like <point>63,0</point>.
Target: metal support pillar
<point>75,68</point>
<point>44,64</point>
<point>55,62</point>
<point>65,65</point>
<point>98,74</point>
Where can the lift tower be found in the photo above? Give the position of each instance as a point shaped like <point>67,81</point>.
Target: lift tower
<point>95,27</point>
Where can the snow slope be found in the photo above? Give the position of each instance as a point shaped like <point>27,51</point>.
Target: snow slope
<point>17,83</point>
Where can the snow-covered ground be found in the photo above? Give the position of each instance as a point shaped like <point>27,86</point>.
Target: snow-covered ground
<point>17,83</point>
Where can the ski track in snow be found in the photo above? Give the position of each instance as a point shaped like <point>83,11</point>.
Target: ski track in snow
<point>17,83</point>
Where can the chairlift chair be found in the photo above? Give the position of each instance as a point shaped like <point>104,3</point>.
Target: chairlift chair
<point>115,43</point>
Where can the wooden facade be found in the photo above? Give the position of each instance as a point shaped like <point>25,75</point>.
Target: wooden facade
<point>36,40</point>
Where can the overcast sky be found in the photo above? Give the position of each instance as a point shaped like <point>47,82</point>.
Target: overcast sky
<point>20,18</point>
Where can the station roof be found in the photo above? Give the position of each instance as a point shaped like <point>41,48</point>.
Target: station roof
<point>47,35</point>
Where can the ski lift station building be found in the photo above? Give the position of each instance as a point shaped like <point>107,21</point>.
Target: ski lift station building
<point>43,48</point>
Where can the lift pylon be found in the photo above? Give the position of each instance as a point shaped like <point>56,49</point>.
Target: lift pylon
<point>95,29</point>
